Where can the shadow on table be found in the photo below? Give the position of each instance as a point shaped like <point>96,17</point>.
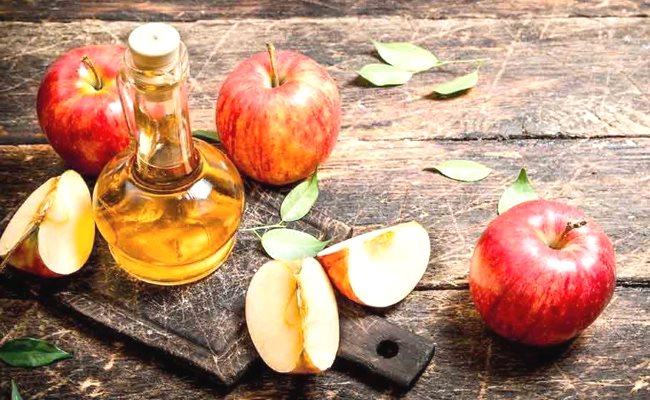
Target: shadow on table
<point>440,97</point>
<point>470,355</point>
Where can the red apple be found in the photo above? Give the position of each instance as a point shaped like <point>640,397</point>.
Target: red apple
<point>278,123</point>
<point>542,272</point>
<point>79,108</point>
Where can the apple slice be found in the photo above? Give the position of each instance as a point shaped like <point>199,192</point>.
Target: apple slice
<point>292,316</point>
<point>53,231</point>
<point>379,268</point>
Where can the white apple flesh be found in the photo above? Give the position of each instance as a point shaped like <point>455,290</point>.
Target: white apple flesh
<point>292,316</point>
<point>53,231</point>
<point>379,268</point>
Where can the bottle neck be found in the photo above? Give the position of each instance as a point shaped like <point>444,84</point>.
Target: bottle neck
<point>155,104</point>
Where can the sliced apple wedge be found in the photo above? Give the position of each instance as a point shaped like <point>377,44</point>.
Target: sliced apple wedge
<point>379,268</point>
<point>292,316</point>
<point>53,231</point>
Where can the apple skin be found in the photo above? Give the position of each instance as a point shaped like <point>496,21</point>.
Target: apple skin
<point>336,266</point>
<point>531,293</point>
<point>278,135</point>
<point>85,126</point>
<point>27,258</point>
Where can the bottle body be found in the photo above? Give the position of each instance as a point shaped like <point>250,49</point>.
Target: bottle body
<point>170,236</point>
<point>169,206</point>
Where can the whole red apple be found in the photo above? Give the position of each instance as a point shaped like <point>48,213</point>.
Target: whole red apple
<point>79,108</point>
<point>542,272</point>
<point>278,120</point>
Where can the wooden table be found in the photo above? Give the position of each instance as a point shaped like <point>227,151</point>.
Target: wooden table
<point>566,95</point>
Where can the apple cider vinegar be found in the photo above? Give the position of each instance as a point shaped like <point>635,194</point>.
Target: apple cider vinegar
<point>169,206</point>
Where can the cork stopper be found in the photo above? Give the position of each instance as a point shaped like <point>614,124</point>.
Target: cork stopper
<point>154,46</point>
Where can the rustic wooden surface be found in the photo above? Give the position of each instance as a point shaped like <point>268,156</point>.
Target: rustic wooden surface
<point>205,9</point>
<point>566,94</point>
<point>548,78</point>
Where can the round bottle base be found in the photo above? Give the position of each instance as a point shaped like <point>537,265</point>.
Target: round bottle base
<point>172,275</point>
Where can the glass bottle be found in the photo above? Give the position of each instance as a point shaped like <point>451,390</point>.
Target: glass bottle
<point>169,205</point>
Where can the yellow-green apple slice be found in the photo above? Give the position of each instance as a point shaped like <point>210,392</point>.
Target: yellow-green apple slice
<point>53,231</point>
<point>379,268</point>
<point>292,316</point>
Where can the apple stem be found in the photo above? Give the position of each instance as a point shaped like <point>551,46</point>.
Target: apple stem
<point>569,227</point>
<point>475,60</point>
<point>275,81</point>
<point>97,83</point>
<point>259,228</point>
<point>33,224</point>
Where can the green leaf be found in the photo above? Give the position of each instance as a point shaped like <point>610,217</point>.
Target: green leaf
<point>384,75</point>
<point>520,191</point>
<point>15,394</point>
<point>462,170</point>
<point>29,352</point>
<point>206,134</point>
<point>406,56</point>
<point>300,200</point>
<point>289,244</point>
<point>458,84</point>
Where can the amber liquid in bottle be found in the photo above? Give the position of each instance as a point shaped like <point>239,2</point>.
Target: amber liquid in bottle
<point>169,206</point>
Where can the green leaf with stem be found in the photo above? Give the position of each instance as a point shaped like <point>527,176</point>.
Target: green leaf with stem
<point>462,170</point>
<point>384,75</point>
<point>262,227</point>
<point>406,56</point>
<point>29,352</point>
<point>289,244</point>
<point>520,191</point>
<point>300,200</point>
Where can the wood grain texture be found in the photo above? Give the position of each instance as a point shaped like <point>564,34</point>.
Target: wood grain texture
<point>179,10</point>
<point>560,72</point>
<point>606,362</point>
<point>548,78</point>
<point>609,179</point>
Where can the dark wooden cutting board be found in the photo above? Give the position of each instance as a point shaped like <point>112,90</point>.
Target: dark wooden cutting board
<point>203,323</point>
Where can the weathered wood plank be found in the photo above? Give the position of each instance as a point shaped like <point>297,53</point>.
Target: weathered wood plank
<point>369,184</point>
<point>179,10</point>
<point>558,77</point>
<point>382,182</point>
<point>607,361</point>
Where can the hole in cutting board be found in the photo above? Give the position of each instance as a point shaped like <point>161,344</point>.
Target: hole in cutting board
<point>387,348</point>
